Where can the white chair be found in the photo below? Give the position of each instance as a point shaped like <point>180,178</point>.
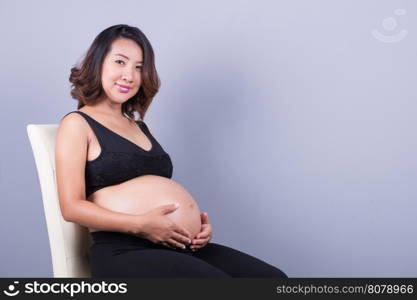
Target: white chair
<point>69,242</point>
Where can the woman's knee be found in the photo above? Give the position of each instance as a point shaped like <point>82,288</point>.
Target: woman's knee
<point>238,263</point>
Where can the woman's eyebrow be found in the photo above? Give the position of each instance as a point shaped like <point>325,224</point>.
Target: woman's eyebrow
<point>126,57</point>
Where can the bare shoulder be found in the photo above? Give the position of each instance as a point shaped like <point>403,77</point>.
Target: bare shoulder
<point>72,137</point>
<point>73,119</point>
<point>74,124</point>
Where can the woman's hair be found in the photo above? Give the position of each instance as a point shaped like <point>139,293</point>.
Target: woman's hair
<point>86,77</point>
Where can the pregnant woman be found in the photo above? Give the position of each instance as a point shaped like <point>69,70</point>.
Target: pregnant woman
<point>114,177</point>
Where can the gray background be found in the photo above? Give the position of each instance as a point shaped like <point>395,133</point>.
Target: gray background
<point>288,121</point>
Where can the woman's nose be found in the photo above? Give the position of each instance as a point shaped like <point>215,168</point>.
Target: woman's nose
<point>127,75</point>
<point>127,78</point>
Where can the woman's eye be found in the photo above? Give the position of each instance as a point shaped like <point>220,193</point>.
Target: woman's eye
<point>118,62</point>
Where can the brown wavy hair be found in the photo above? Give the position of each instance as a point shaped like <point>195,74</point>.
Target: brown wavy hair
<point>86,77</point>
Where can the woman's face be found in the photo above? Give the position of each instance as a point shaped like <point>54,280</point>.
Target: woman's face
<point>121,72</point>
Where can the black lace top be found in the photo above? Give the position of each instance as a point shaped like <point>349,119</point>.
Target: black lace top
<point>121,159</point>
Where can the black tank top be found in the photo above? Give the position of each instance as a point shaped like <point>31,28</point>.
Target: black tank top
<point>121,159</point>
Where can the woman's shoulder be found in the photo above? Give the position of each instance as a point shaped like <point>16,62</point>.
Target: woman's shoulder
<point>73,117</point>
<point>71,114</point>
<point>72,130</point>
<point>73,122</point>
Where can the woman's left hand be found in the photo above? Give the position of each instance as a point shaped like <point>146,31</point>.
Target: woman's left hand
<point>204,236</point>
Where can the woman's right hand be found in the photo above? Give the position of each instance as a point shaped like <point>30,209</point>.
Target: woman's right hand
<point>160,229</point>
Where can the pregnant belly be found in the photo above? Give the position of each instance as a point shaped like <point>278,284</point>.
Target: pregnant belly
<point>144,193</point>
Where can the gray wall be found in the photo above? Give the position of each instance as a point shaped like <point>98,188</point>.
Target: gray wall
<point>290,122</point>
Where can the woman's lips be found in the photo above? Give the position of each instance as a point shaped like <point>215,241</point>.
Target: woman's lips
<point>122,89</point>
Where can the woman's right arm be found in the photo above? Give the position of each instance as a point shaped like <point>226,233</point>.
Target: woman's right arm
<point>70,158</point>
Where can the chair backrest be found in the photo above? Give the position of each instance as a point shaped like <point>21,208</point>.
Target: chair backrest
<point>69,242</point>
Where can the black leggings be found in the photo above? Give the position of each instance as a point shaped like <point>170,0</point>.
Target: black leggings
<point>119,255</point>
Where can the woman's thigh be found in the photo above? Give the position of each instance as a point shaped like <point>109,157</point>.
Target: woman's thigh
<point>237,263</point>
<point>149,263</point>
